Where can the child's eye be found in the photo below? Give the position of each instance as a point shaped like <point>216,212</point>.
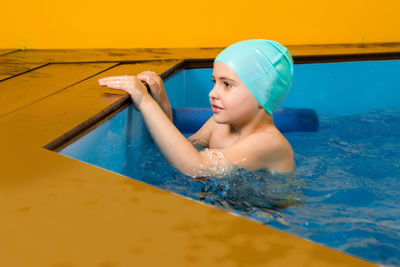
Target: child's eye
<point>212,80</point>
<point>227,84</point>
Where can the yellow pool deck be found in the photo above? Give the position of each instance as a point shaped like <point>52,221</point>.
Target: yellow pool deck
<point>60,212</point>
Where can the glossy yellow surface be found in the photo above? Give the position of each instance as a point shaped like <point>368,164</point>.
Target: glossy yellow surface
<point>17,93</point>
<point>206,23</point>
<point>57,211</point>
<point>8,70</point>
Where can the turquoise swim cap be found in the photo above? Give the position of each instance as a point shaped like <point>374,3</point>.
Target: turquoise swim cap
<point>264,66</point>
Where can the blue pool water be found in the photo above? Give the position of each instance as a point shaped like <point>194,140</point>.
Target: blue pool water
<point>351,197</point>
<point>344,193</point>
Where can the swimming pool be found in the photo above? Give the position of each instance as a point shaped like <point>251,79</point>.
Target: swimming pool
<point>344,193</point>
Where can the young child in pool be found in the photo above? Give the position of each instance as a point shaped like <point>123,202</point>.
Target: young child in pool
<point>251,79</point>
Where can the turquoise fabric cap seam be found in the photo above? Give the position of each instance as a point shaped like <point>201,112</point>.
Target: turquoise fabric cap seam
<point>264,66</point>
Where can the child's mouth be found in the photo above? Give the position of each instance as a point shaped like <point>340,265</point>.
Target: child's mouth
<point>216,109</point>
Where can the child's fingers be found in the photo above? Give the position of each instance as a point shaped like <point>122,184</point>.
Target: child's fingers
<point>151,78</point>
<point>143,77</point>
<point>114,84</point>
<point>106,80</point>
<point>123,84</point>
<point>111,78</point>
<point>115,78</point>
<point>150,74</point>
<point>146,75</point>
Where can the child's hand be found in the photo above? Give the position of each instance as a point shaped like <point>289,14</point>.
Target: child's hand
<point>157,89</point>
<point>156,85</point>
<point>130,84</point>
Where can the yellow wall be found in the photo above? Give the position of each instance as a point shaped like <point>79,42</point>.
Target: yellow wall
<point>204,23</point>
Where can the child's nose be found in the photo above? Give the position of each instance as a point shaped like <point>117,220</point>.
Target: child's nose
<point>213,93</point>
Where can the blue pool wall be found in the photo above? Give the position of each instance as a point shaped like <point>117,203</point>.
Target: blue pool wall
<point>329,88</point>
<point>112,144</point>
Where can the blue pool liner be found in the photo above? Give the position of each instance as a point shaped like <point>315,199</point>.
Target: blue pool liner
<point>190,120</point>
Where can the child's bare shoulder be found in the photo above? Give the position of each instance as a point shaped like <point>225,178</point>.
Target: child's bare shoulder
<point>271,137</point>
<point>264,150</point>
<point>274,149</point>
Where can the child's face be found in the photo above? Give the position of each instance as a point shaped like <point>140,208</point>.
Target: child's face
<point>230,99</point>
